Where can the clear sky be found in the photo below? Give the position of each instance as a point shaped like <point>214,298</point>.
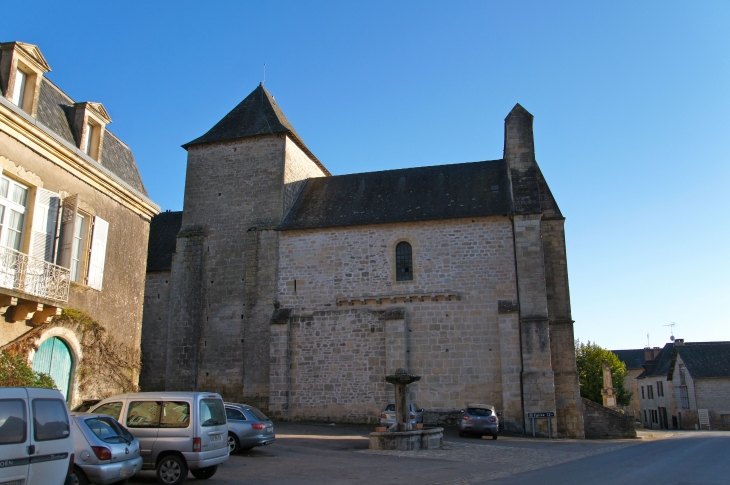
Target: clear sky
<point>630,102</point>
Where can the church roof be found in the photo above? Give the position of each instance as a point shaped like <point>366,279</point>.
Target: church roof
<point>412,194</point>
<point>258,114</point>
<point>163,240</point>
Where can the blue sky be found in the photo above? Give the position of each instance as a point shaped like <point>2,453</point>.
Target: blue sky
<point>630,102</point>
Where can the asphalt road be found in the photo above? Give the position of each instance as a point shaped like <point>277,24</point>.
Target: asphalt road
<point>314,454</point>
<point>701,458</point>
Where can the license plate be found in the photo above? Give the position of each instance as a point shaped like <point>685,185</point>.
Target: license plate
<point>269,429</point>
<point>125,473</point>
<point>215,437</point>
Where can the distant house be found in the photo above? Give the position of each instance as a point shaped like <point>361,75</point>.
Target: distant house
<point>658,410</point>
<point>634,360</point>
<point>700,375</point>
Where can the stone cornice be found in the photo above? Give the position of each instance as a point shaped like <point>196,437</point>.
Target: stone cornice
<point>19,125</point>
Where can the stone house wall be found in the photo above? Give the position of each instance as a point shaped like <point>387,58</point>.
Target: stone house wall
<point>657,401</point>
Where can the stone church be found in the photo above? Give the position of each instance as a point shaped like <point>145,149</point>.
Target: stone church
<point>283,286</point>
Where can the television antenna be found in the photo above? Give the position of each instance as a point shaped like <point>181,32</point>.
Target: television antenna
<point>671,330</point>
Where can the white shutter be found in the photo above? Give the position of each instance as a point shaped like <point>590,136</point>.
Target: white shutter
<point>98,253</point>
<point>68,222</point>
<point>43,232</point>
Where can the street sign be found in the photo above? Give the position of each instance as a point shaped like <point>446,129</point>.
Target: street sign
<point>541,415</point>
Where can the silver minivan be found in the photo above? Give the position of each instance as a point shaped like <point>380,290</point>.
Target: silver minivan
<point>177,431</point>
<point>36,438</point>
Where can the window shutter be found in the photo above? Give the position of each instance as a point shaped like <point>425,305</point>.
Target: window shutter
<point>45,216</point>
<point>68,221</point>
<point>98,253</point>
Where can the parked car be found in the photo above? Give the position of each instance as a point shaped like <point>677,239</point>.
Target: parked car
<point>479,419</point>
<point>387,417</point>
<point>36,438</point>
<point>106,452</point>
<point>177,431</point>
<point>85,405</point>
<point>247,427</point>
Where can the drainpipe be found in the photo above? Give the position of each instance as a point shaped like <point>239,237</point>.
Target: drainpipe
<point>519,324</point>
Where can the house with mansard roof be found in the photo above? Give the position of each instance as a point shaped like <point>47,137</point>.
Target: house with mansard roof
<point>74,226</point>
<point>295,290</point>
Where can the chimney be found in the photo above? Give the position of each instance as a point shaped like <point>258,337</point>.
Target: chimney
<point>678,341</point>
<point>648,353</point>
<point>519,154</point>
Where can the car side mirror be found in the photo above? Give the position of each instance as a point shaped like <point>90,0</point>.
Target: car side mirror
<point>499,414</point>
<point>422,410</point>
<point>462,411</point>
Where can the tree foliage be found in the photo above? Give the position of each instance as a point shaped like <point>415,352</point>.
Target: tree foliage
<point>15,372</point>
<point>589,358</point>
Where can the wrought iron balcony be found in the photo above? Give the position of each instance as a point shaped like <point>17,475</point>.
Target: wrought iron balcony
<point>33,276</point>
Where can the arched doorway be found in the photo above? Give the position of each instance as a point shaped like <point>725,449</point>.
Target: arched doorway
<point>54,358</point>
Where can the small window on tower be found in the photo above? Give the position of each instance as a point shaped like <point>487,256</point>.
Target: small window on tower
<point>403,262</point>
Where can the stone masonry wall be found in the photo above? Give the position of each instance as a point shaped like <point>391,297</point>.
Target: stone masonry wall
<point>464,349</point>
<point>154,331</point>
<point>235,195</point>
<point>297,169</point>
<point>601,422</point>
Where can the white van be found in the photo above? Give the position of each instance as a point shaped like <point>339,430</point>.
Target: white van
<point>36,444</point>
<point>177,431</point>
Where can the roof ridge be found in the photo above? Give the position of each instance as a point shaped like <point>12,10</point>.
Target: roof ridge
<point>412,168</point>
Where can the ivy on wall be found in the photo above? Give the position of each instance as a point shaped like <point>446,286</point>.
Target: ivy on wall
<point>107,367</point>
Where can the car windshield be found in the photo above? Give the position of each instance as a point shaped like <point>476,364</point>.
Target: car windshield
<point>108,430</point>
<point>390,407</point>
<point>479,411</point>
<point>212,412</point>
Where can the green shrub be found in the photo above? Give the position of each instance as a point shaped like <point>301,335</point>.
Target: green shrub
<point>15,372</point>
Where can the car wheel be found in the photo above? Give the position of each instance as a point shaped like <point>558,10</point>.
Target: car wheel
<point>494,436</point>
<point>80,477</point>
<point>172,470</point>
<point>205,473</point>
<point>233,445</point>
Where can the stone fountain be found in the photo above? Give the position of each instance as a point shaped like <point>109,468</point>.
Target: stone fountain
<point>401,436</point>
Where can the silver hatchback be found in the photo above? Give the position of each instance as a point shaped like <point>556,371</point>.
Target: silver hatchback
<point>480,420</point>
<point>105,452</point>
<point>247,427</point>
<point>387,417</point>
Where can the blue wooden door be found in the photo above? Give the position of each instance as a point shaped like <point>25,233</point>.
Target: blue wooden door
<point>54,358</point>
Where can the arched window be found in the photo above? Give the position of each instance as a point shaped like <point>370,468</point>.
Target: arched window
<point>403,262</point>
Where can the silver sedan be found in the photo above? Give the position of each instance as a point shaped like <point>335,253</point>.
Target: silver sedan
<point>247,427</point>
<point>105,452</point>
<point>387,417</point>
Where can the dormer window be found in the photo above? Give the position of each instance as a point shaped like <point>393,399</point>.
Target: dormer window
<point>90,120</point>
<point>21,79</point>
<point>21,70</point>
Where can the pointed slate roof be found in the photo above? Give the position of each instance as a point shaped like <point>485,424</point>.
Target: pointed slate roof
<point>256,115</point>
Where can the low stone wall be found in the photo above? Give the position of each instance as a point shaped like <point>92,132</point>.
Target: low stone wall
<point>441,416</point>
<point>601,422</point>
<point>418,439</point>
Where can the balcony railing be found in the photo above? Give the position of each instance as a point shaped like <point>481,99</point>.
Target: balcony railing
<point>34,276</point>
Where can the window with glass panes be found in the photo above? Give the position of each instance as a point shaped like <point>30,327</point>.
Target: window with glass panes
<point>13,201</point>
<point>77,250</point>
<point>403,262</point>
<point>21,79</point>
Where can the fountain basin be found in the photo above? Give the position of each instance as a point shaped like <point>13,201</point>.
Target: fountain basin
<point>417,439</point>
